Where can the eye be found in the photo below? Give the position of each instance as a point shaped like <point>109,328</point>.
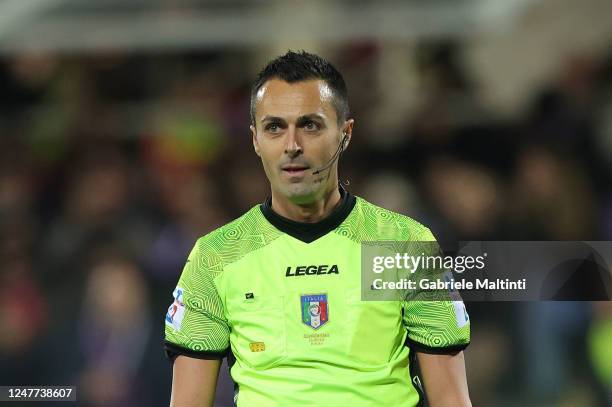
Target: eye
<point>272,127</point>
<point>311,126</point>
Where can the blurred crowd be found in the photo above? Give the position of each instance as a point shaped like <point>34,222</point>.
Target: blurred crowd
<point>113,164</point>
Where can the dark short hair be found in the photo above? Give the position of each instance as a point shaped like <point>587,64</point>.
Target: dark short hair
<point>301,66</point>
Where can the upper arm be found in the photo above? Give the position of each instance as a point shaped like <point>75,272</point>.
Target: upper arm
<point>444,379</point>
<point>196,332</point>
<point>196,324</point>
<point>436,320</point>
<point>438,330</point>
<point>194,382</point>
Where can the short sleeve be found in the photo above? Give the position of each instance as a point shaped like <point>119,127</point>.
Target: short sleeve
<point>195,324</point>
<point>436,326</point>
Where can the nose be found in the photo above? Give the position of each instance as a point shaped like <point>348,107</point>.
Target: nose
<point>293,147</point>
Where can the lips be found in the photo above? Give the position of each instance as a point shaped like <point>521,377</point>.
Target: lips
<point>294,169</point>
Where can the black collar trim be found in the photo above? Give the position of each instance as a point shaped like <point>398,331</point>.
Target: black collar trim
<point>309,232</point>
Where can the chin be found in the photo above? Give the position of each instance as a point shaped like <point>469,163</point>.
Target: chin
<point>300,193</point>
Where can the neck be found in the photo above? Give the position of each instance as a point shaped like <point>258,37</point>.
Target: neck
<point>311,212</point>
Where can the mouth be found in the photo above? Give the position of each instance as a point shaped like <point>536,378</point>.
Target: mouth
<point>294,170</point>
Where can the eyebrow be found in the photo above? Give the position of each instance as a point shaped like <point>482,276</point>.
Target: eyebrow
<point>300,119</point>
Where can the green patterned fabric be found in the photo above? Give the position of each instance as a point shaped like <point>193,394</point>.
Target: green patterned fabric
<point>292,316</point>
<point>204,326</point>
<point>431,325</point>
<point>369,222</point>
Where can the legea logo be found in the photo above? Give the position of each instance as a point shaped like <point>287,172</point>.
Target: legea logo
<point>311,270</point>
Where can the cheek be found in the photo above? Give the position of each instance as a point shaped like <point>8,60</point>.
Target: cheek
<point>324,151</point>
<point>268,159</point>
<point>266,164</point>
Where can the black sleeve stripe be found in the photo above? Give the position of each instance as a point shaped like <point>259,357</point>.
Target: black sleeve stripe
<point>173,350</point>
<point>445,350</point>
<point>415,378</point>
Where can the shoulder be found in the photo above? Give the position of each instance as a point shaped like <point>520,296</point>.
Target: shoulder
<point>372,222</point>
<point>235,239</point>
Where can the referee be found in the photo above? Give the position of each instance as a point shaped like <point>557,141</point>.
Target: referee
<point>277,290</point>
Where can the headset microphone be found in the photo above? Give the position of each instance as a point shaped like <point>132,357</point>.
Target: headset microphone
<point>339,150</point>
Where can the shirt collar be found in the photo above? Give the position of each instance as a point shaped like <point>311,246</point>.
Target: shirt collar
<point>309,232</point>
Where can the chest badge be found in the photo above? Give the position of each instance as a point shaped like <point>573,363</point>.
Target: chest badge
<point>315,310</point>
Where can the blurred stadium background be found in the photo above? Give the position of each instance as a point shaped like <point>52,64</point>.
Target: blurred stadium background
<point>124,137</point>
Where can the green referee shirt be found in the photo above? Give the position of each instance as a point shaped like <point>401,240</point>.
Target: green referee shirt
<point>282,300</point>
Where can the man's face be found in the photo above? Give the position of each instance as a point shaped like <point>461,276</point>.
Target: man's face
<point>296,132</point>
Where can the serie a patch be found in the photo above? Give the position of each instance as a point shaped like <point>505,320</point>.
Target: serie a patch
<point>461,314</point>
<point>176,311</point>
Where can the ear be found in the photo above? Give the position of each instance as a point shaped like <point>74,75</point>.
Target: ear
<point>255,142</point>
<point>347,132</point>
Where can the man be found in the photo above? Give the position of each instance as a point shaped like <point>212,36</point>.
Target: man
<point>278,289</point>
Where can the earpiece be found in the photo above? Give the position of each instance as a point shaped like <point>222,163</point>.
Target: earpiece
<point>344,141</point>
<point>341,147</point>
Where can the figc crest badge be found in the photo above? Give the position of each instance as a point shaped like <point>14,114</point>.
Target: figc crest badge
<point>314,310</point>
